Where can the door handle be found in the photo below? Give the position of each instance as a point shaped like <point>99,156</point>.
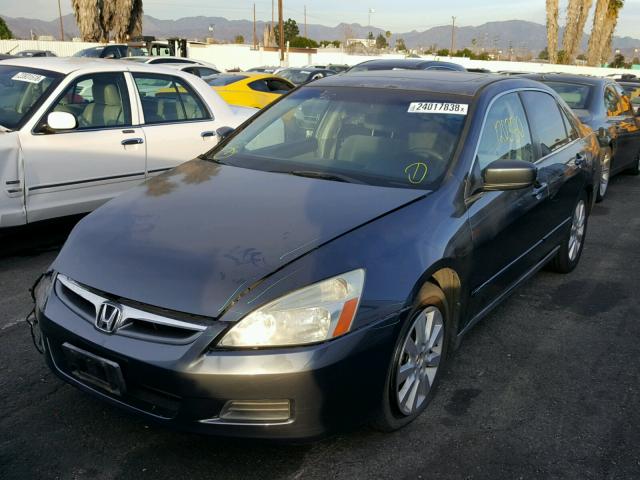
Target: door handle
<point>132,141</point>
<point>581,160</point>
<point>540,189</point>
<point>208,134</point>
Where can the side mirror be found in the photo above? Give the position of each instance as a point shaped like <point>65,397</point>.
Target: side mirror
<point>224,132</point>
<point>61,121</point>
<point>509,175</point>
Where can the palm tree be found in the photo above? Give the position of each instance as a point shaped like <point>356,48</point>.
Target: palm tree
<point>611,22</point>
<point>577,13</point>
<point>552,30</point>
<point>597,38</point>
<point>98,20</point>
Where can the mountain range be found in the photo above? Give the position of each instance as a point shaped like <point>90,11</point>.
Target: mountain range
<point>517,34</point>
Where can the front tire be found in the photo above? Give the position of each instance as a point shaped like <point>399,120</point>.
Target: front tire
<point>417,360</point>
<point>571,248</point>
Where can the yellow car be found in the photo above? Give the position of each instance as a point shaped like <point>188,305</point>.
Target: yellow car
<point>248,89</point>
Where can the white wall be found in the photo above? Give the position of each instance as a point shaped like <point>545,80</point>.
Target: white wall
<point>242,56</point>
<point>62,49</point>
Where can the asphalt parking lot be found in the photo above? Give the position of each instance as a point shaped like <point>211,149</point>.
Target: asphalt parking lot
<point>548,386</point>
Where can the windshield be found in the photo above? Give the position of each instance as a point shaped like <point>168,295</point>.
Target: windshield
<point>575,95</point>
<point>21,91</point>
<point>295,76</point>
<point>223,80</point>
<point>89,52</point>
<point>378,137</point>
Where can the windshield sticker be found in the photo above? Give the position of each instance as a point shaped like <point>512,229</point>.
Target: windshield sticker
<point>227,152</point>
<point>416,172</point>
<point>28,77</point>
<point>437,107</point>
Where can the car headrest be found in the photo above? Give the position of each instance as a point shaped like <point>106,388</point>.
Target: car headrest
<point>106,94</point>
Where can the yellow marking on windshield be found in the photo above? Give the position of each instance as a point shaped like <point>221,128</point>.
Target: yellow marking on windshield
<point>509,130</point>
<point>416,172</point>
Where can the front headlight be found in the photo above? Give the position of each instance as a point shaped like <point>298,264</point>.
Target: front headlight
<point>312,314</point>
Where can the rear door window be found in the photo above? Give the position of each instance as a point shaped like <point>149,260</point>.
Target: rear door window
<point>506,133</point>
<point>546,122</point>
<point>167,99</point>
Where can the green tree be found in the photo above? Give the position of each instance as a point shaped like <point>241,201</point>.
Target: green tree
<point>562,57</point>
<point>618,61</point>
<point>238,39</point>
<point>370,36</point>
<point>291,31</point>
<point>443,52</point>
<point>464,53</point>
<point>544,54</point>
<point>336,43</point>
<point>400,46</point>
<point>5,32</point>
<point>303,42</point>
<point>381,42</point>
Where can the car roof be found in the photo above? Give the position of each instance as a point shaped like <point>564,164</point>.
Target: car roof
<point>455,83</point>
<point>67,65</point>
<point>568,78</point>
<point>406,62</point>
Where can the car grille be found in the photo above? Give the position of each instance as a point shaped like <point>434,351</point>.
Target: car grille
<point>138,323</point>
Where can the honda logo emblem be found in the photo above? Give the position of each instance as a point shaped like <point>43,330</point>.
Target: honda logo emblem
<point>109,317</point>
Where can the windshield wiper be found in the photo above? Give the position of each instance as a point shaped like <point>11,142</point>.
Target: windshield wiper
<point>210,159</point>
<point>4,129</point>
<point>324,176</point>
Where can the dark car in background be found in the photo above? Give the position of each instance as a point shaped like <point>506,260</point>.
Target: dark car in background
<point>113,51</point>
<point>36,53</point>
<point>263,69</point>
<point>631,88</point>
<point>406,64</point>
<point>601,104</point>
<point>300,76</point>
<point>315,270</point>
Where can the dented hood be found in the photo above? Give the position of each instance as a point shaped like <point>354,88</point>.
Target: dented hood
<point>194,238</point>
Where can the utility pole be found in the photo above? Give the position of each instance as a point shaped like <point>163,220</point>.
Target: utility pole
<point>281,30</point>
<point>255,46</point>
<point>305,22</point>
<point>61,26</point>
<point>453,35</point>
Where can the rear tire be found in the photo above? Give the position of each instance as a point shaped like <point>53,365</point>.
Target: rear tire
<point>571,248</point>
<point>416,364</point>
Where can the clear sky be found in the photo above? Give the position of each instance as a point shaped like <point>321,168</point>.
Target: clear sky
<point>395,15</point>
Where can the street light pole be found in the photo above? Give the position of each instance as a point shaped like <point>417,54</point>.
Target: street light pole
<point>61,25</point>
<point>453,35</point>
<point>281,30</point>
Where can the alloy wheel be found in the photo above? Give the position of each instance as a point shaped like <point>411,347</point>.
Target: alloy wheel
<point>577,230</point>
<point>419,360</point>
